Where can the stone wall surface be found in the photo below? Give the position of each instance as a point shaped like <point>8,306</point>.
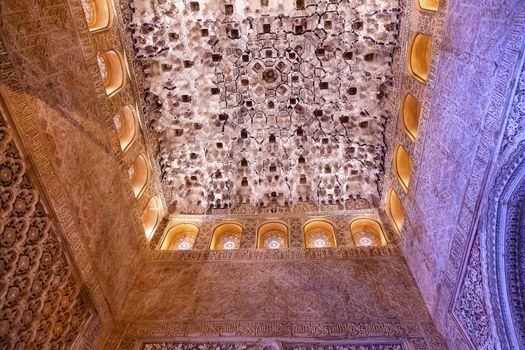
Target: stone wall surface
<point>481,43</point>
<point>52,83</point>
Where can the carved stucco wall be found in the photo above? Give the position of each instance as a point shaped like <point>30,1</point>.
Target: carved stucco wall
<point>341,293</point>
<point>51,81</point>
<point>464,114</point>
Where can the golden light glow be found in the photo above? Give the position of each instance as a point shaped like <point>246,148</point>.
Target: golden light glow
<point>395,209</point>
<point>429,5</point>
<point>139,174</point>
<point>98,14</point>
<point>151,216</point>
<point>226,236</point>
<point>319,234</point>
<point>112,71</point>
<point>273,235</point>
<point>367,233</point>
<point>126,124</point>
<point>410,111</point>
<point>403,166</point>
<point>180,237</point>
<point>420,56</point>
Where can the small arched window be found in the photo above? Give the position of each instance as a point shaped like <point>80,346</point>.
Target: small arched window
<point>98,14</point>
<point>227,236</point>
<point>395,209</point>
<point>126,124</point>
<point>410,111</point>
<point>402,166</point>
<point>112,71</point>
<point>273,235</point>
<point>428,5</point>
<point>420,56</point>
<point>180,237</point>
<point>367,233</point>
<point>139,174</point>
<point>319,234</point>
<point>151,216</point>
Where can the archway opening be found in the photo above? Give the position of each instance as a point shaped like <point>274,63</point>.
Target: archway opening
<point>180,237</point>
<point>367,233</point>
<point>410,112</point>
<point>98,14</point>
<point>319,234</point>
<point>227,236</point>
<point>273,235</point>
<point>112,71</point>
<point>139,174</point>
<point>151,216</point>
<point>126,124</point>
<point>403,166</point>
<point>395,210</point>
<point>429,5</point>
<point>420,56</point>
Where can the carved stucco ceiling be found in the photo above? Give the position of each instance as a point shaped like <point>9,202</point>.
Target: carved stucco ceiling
<point>267,103</point>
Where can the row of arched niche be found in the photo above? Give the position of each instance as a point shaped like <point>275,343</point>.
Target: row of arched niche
<point>317,233</point>
<point>114,74</point>
<point>419,59</point>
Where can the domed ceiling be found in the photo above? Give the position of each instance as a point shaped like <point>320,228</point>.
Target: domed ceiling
<point>265,103</point>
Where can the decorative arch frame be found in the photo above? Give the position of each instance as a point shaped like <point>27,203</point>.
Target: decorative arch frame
<point>223,230</point>
<point>176,232</point>
<point>402,166</point>
<point>419,56</point>
<point>428,5</point>
<point>151,216</point>
<point>319,225</point>
<point>126,124</point>
<point>410,113</point>
<point>139,174</point>
<point>365,229</point>
<point>269,227</point>
<point>503,255</point>
<point>112,71</point>
<point>396,211</point>
<point>99,14</point>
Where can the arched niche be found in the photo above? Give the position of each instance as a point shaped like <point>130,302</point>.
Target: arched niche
<point>420,56</point>
<point>273,235</point>
<point>126,124</point>
<point>180,237</point>
<point>151,216</point>
<point>410,112</point>
<point>367,233</point>
<point>139,174</point>
<point>98,13</point>
<point>395,210</point>
<point>319,234</point>
<point>402,166</point>
<point>112,71</point>
<point>227,236</point>
<point>428,5</point>
<point>504,251</point>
